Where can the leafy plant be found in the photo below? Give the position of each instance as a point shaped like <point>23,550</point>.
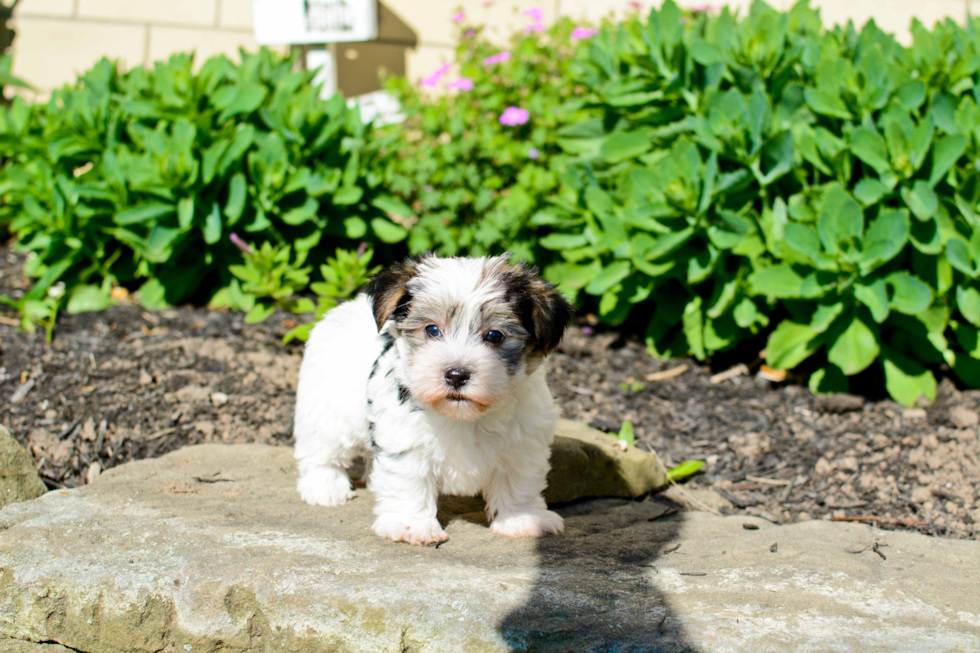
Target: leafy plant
<point>137,178</point>
<point>736,174</point>
<point>468,183</point>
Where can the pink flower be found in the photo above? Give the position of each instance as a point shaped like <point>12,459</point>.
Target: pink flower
<point>488,4</point>
<point>462,84</point>
<point>536,27</point>
<point>636,6</point>
<point>470,33</point>
<point>581,33</point>
<point>497,58</point>
<point>514,116</point>
<point>587,330</point>
<point>533,153</point>
<point>535,14</point>
<point>705,9</point>
<point>433,79</point>
<point>240,244</point>
<point>459,16</point>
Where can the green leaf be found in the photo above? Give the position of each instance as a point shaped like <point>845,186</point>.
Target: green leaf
<point>259,313</point>
<point>777,282</point>
<point>921,200</point>
<point>968,301</point>
<point>870,148</point>
<point>237,193</point>
<point>348,195</point>
<point>908,382</point>
<point>153,295</point>
<point>693,325</point>
<point>144,213</point>
<point>620,146</point>
<point>826,103</point>
<point>909,295</point>
<point>855,349</point>
<point>626,432</point>
<point>185,212</point>
<point>803,239</point>
<point>391,205</point>
<point>926,236</point>
<point>557,241</point>
<point>303,213</point>
<point>706,54</point>
<point>387,231</point>
<point>841,223</point>
<point>944,154</point>
<point>212,225</point>
<point>684,470</point>
<point>875,298</point>
<point>609,277</point>
<point>828,380</point>
<point>886,237</point>
<point>790,344</point>
<point>247,100</point>
<point>869,191</point>
<point>668,244</point>
<point>958,255</point>
<point>86,298</point>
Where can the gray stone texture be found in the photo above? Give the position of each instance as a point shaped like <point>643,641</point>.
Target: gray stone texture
<point>210,549</point>
<point>19,480</point>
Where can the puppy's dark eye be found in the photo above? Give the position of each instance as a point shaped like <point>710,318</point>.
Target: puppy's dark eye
<point>494,337</point>
<point>433,331</point>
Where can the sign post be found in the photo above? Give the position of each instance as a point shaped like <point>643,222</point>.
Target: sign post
<point>315,23</point>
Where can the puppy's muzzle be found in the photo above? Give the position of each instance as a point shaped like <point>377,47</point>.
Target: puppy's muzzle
<point>457,378</point>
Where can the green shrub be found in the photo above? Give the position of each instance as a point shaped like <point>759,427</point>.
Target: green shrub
<point>139,178</point>
<point>735,175</point>
<point>473,183</point>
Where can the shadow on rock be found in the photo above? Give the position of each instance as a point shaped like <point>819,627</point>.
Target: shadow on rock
<point>593,591</point>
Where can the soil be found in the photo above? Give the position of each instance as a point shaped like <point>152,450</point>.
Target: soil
<point>127,384</point>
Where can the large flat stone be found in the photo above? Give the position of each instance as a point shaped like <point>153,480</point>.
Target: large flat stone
<point>210,549</point>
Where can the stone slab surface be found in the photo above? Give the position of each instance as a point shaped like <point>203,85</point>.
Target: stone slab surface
<point>210,549</point>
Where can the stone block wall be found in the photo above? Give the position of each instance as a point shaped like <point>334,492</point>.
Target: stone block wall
<point>57,38</point>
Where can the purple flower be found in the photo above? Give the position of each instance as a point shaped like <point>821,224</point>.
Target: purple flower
<point>636,6</point>
<point>497,58</point>
<point>536,27</point>
<point>514,116</point>
<point>581,33</point>
<point>470,33</point>
<point>240,244</point>
<point>459,17</point>
<point>462,84</point>
<point>587,330</point>
<point>362,248</point>
<point>433,79</point>
<point>533,153</point>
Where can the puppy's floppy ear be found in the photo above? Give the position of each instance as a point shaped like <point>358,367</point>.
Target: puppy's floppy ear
<point>543,310</point>
<point>390,296</point>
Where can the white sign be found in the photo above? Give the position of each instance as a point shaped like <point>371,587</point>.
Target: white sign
<point>279,22</point>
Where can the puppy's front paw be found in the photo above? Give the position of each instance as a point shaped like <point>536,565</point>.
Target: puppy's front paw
<point>325,487</point>
<point>532,523</point>
<point>414,531</point>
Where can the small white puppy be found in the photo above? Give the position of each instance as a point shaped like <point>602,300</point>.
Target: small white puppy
<point>436,373</point>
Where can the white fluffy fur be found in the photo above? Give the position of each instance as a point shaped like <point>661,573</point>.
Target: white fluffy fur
<point>348,402</point>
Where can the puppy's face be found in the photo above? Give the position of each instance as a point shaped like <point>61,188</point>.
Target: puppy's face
<point>473,328</point>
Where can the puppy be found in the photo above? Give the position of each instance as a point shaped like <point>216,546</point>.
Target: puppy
<point>436,372</point>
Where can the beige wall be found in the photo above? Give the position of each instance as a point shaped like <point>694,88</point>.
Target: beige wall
<point>58,38</point>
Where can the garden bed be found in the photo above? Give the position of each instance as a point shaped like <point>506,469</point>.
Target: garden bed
<point>127,384</point>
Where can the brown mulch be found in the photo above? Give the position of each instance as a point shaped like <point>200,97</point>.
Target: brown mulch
<point>127,384</point>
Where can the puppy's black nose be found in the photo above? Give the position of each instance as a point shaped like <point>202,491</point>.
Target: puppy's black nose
<point>457,378</point>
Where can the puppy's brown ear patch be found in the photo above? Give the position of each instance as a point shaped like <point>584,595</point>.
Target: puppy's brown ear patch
<point>543,310</point>
<point>389,292</point>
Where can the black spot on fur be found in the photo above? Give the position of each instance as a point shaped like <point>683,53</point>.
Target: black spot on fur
<point>512,357</point>
<point>403,394</point>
